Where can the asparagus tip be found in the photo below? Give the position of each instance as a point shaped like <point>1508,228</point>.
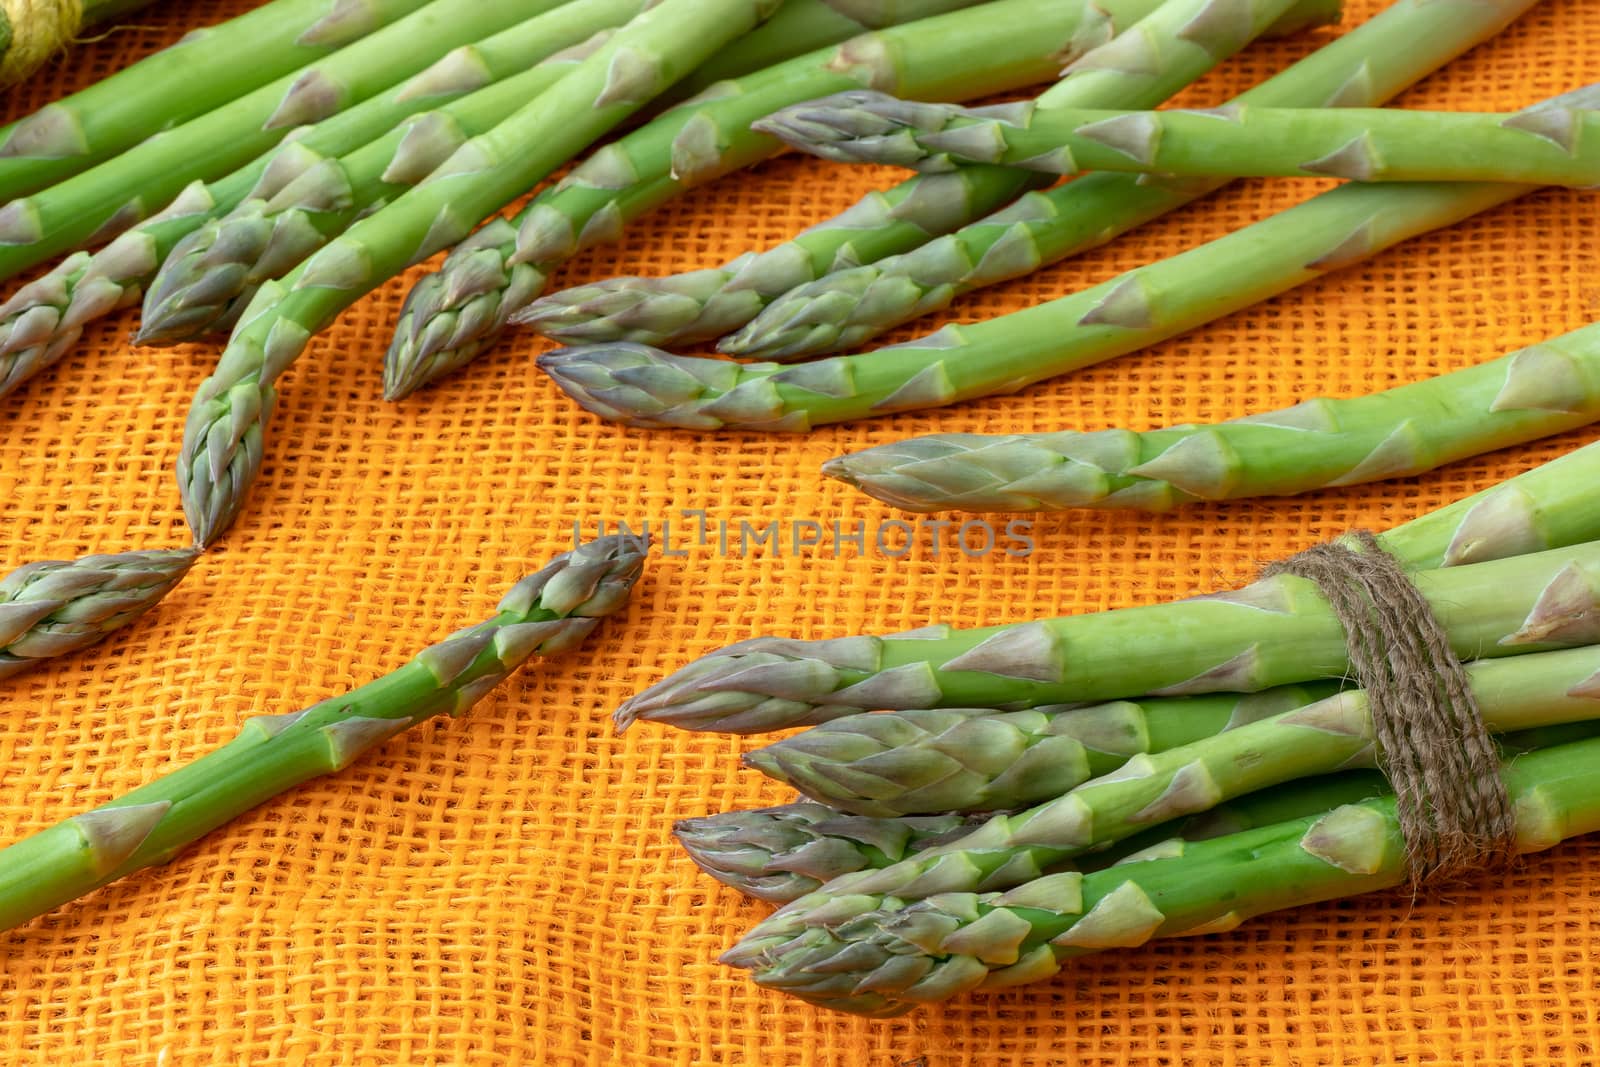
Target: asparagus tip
<point>838,468</point>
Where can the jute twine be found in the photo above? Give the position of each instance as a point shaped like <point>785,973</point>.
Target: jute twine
<point>39,28</point>
<point>1454,812</point>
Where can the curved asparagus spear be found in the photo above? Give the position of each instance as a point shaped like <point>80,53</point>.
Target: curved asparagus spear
<point>706,304</point>
<point>1242,140</point>
<point>222,442</point>
<point>1331,735</point>
<point>1365,67</point>
<point>45,318</point>
<point>1276,631</point>
<point>545,613</point>
<point>780,854</point>
<point>978,759</point>
<point>1535,392</point>
<point>880,956</point>
<point>451,315</point>
<point>204,71</point>
<point>97,204</point>
<point>212,274</point>
<point>57,607</point>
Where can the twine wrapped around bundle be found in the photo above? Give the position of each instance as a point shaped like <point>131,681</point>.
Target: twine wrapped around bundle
<point>1434,747</point>
<point>31,31</point>
<point>34,31</point>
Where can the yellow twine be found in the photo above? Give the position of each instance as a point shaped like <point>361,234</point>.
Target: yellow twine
<point>39,28</point>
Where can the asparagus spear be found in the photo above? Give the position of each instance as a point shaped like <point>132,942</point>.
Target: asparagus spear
<point>1532,393</point>
<point>1276,631</point>
<point>212,274</point>
<point>780,854</point>
<point>204,71</point>
<point>543,614</point>
<point>84,288</point>
<point>1363,68</point>
<point>1331,735</point>
<point>707,304</point>
<point>880,956</point>
<point>99,203</point>
<point>56,607</point>
<point>450,316</point>
<point>222,442</point>
<point>1358,144</point>
<point>980,759</point>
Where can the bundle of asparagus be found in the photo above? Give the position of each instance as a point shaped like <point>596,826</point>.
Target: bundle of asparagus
<point>1002,822</point>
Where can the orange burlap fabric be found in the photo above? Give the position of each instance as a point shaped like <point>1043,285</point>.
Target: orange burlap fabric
<point>503,889</point>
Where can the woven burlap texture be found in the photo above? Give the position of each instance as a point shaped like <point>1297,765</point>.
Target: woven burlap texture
<point>504,888</point>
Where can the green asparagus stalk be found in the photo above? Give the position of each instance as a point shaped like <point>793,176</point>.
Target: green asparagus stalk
<point>206,70</point>
<point>99,203</point>
<point>1276,631</point>
<point>1535,392</point>
<point>1280,803</point>
<point>56,607</point>
<point>880,956</point>
<point>979,759</point>
<point>802,26</point>
<point>545,613</point>
<point>453,314</point>
<point>1331,735</point>
<point>706,304</point>
<point>781,854</point>
<point>222,443</point>
<point>1363,68</point>
<point>212,274</point>
<point>641,386</point>
<point>1357,144</point>
<point>701,305</point>
<point>44,319</point>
